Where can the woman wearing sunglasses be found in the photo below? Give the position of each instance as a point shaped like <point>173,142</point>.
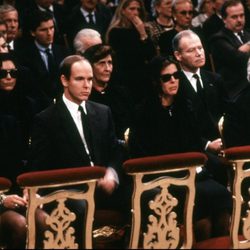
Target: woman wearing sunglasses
<point>165,124</point>
<point>16,112</point>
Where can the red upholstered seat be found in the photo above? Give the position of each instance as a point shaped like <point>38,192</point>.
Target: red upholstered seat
<point>40,178</point>
<point>60,233</point>
<point>237,153</point>
<point>5,184</point>
<point>162,162</point>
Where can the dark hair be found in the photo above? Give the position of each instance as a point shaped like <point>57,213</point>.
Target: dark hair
<point>8,57</point>
<point>156,65</point>
<point>37,17</point>
<point>66,64</point>
<point>98,52</point>
<point>226,4</point>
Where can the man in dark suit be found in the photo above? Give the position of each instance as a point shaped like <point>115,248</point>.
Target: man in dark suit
<point>230,48</point>
<point>59,138</point>
<point>204,90</point>
<point>42,57</point>
<point>90,14</point>
<point>51,7</point>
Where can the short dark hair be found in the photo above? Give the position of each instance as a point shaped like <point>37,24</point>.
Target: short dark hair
<point>37,17</point>
<point>8,57</point>
<point>66,64</point>
<point>98,52</point>
<point>227,4</point>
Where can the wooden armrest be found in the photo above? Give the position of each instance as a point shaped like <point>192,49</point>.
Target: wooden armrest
<point>43,178</point>
<point>5,184</point>
<point>170,161</point>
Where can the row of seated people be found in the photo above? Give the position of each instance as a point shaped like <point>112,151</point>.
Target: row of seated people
<point>210,141</point>
<point>134,42</point>
<point>58,138</point>
<point>135,76</point>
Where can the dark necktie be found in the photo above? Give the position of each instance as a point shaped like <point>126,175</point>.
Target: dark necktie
<point>198,86</point>
<point>50,61</point>
<point>86,131</point>
<point>242,37</point>
<point>91,19</point>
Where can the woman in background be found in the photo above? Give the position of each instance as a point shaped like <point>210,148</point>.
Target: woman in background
<point>133,47</point>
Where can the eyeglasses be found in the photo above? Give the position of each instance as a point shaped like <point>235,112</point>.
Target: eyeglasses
<point>4,73</point>
<point>185,13</point>
<point>167,77</point>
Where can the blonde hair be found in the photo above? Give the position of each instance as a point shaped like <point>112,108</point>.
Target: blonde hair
<point>120,20</point>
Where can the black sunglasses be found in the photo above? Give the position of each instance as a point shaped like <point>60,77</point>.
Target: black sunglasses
<point>167,77</point>
<point>184,13</point>
<point>4,73</point>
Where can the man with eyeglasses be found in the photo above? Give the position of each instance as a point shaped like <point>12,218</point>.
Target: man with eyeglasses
<point>205,91</point>
<point>182,11</point>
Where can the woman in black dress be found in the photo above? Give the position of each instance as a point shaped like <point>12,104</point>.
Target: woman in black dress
<point>163,124</point>
<point>129,38</point>
<point>16,112</point>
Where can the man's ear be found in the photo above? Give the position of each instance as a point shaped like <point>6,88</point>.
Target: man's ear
<point>177,55</point>
<point>32,33</point>
<point>64,81</point>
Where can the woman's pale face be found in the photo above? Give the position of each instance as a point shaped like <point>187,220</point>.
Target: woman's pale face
<point>3,47</point>
<point>165,8</point>
<point>8,80</point>
<point>133,9</point>
<point>170,87</point>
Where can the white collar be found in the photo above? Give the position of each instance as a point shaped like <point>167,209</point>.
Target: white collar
<point>189,74</point>
<point>86,13</point>
<point>51,8</point>
<point>72,106</point>
<point>42,48</point>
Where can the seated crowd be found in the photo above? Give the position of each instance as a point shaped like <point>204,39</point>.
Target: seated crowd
<point>76,75</point>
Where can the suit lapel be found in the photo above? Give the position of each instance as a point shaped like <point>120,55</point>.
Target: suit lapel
<point>208,85</point>
<point>187,87</point>
<point>37,59</point>
<point>233,39</point>
<point>94,124</point>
